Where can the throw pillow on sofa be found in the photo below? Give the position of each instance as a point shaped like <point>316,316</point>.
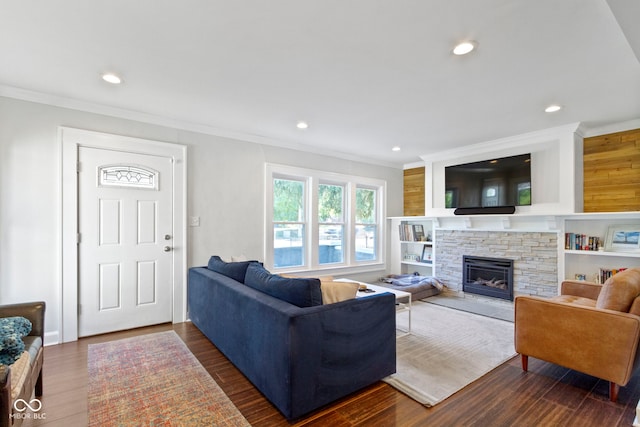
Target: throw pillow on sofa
<point>333,292</point>
<point>234,270</point>
<point>12,330</point>
<point>296,291</point>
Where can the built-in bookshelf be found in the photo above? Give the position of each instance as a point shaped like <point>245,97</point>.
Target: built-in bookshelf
<point>412,246</point>
<point>590,252</point>
<point>585,251</point>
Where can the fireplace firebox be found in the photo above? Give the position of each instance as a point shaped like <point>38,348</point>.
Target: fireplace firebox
<point>491,277</point>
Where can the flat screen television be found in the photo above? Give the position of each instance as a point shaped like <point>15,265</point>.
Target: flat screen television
<point>498,182</point>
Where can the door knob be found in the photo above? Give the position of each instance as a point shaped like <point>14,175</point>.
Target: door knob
<point>167,248</point>
<point>167,237</point>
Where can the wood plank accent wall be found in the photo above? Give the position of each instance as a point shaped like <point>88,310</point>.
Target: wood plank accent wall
<point>414,192</point>
<point>612,172</point>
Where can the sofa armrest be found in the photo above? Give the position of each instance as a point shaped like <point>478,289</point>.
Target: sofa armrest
<point>601,343</point>
<point>347,345</point>
<point>34,311</point>
<point>580,288</point>
<point>299,358</point>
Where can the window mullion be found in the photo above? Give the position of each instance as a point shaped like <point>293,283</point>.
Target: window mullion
<point>350,219</point>
<point>312,219</point>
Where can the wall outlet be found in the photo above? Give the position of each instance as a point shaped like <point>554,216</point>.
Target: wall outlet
<point>194,221</point>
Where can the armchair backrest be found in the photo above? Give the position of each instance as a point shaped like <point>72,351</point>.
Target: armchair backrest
<point>621,291</point>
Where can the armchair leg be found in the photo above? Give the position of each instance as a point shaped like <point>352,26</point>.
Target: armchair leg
<point>613,391</point>
<point>525,362</point>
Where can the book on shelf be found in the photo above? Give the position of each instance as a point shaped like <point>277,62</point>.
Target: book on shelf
<point>581,242</point>
<point>605,273</point>
<point>411,232</point>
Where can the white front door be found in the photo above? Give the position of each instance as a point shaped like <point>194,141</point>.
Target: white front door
<point>125,240</point>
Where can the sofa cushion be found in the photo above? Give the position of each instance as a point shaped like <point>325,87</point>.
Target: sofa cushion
<point>333,292</point>
<point>234,270</point>
<point>572,299</point>
<point>620,290</point>
<point>296,291</point>
<point>635,307</point>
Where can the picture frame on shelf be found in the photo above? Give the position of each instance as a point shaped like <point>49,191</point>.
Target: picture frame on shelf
<point>426,255</point>
<point>623,238</point>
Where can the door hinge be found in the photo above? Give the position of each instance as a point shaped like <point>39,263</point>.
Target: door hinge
<point>78,238</point>
<point>79,308</point>
<point>78,167</point>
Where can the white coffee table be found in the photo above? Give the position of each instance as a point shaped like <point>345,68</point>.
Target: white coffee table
<point>403,301</point>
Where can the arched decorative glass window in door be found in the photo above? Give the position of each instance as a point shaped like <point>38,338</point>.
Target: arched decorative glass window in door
<point>130,176</point>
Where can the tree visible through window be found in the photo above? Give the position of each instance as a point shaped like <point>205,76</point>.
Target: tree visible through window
<point>366,224</point>
<point>330,224</point>
<point>288,223</point>
<point>322,220</point>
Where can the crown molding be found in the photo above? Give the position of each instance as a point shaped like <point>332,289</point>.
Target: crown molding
<point>90,107</point>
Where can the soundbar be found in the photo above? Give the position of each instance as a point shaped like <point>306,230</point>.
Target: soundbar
<point>489,210</point>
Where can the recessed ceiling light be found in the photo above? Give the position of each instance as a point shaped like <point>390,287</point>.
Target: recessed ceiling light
<point>111,78</point>
<point>552,108</point>
<point>396,148</point>
<point>464,47</point>
<point>302,125</point>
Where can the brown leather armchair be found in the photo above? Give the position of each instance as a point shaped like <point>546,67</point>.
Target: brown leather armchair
<point>590,328</point>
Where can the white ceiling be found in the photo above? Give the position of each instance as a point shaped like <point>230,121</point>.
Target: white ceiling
<point>366,74</point>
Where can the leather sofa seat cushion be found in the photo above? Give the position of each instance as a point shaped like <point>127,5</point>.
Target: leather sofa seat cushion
<point>32,345</point>
<point>620,290</point>
<point>572,299</point>
<point>635,307</point>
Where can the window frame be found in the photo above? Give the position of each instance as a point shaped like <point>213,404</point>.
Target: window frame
<point>343,223</point>
<point>313,178</point>
<point>301,221</point>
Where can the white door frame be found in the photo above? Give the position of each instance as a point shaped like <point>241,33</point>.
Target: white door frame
<point>71,139</point>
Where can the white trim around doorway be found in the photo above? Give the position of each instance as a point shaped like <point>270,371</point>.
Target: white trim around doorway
<point>71,139</point>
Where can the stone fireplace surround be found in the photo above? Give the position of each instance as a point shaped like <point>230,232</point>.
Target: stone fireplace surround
<point>535,255</point>
<point>530,237</point>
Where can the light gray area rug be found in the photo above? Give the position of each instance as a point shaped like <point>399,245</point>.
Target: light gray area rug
<point>447,350</point>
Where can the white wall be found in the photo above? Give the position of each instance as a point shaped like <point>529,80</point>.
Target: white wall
<point>225,189</point>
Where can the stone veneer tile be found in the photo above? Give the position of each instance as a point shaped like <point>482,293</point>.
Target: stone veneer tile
<point>535,256</point>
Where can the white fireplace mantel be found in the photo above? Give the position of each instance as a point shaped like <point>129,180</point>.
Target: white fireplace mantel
<point>488,235</point>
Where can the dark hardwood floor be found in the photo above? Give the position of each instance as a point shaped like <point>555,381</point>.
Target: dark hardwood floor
<point>547,395</point>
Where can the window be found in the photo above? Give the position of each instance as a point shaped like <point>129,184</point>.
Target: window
<point>288,222</point>
<point>320,220</point>
<point>366,224</point>
<point>330,224</point>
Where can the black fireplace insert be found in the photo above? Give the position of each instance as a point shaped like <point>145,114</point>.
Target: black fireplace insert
<point>491,277</point>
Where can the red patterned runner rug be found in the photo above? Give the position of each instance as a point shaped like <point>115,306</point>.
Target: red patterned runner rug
<point>154,380</point>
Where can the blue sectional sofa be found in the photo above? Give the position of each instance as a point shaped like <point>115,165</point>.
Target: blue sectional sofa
<point>300,355</point>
